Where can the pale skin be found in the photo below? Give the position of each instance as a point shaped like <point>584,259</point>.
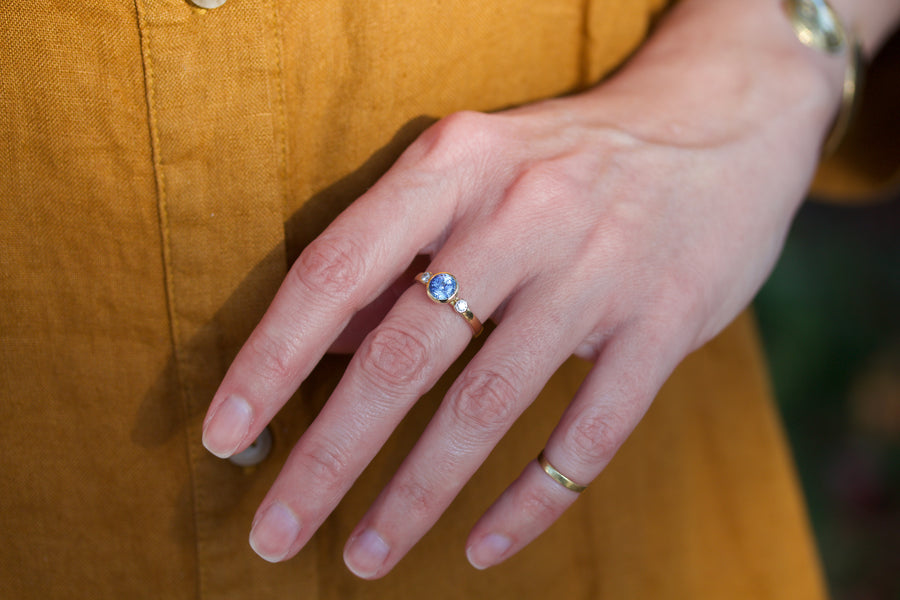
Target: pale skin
<point>626,225</point>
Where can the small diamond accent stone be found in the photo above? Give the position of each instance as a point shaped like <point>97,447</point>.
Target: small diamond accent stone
<point>442,287</point>
<point>461,306</point>
<point>425,277</point>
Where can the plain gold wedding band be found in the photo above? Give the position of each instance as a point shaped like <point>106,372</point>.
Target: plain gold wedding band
<point>557,476</point>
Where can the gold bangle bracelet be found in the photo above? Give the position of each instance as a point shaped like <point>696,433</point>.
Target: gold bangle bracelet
<point>818,26</point>
<point>850,95</point>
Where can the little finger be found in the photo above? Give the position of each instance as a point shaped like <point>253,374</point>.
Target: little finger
<point>608,406</point>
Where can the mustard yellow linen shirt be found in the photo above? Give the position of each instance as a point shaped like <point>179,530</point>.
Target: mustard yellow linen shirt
<point>160,168</point>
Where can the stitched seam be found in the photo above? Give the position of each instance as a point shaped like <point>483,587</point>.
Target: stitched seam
<point>165,240</point>
<point>281,103</point>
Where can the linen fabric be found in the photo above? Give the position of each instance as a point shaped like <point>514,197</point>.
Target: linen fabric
<point>161,166</point>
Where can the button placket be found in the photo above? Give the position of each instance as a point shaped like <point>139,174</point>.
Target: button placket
<point>213,88</point>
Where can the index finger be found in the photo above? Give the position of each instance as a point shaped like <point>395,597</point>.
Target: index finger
<point>341,271</point>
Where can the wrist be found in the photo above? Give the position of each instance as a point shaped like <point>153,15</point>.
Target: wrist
<point>718,70</point>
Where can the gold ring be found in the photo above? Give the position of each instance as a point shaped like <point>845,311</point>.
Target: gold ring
<point>444,289</point>
<point>557,476</point>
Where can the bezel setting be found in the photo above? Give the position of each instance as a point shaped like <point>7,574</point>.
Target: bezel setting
<point>442,288</point>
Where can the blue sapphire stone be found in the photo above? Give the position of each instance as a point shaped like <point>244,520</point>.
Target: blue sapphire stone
<point>442,287</point>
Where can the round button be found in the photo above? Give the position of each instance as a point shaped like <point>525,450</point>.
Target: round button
<point>208,3</point>
<point>255,452</point>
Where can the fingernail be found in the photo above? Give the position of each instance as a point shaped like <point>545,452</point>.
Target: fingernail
<point>489,551</point>
<point>366,554</point>
<point>228,427</point>
<point>274,533</point>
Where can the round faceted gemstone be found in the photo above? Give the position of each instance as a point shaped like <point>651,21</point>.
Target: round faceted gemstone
<point>442,287</point>
<point>461,306</point>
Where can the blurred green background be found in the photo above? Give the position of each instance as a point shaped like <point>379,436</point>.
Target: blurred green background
<point>830,321</point>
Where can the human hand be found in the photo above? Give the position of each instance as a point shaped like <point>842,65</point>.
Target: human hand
<point>617,225</point>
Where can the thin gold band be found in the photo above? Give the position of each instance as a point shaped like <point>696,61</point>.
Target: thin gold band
<point>557,476</point>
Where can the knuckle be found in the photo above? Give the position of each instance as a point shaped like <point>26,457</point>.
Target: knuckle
<point>272,358</point>
<point>628,218</point>
<point>619,238</point>
<point>677,313</point>
<point>325,462</point>
<point>462,126</point>
<point>484,401</point>
<point>537,191</point>
<point>597,434</point>
<point>416,497</point>
<point>684,294</point>
<point>539,507</point>
<point>331,267</point>
<point>548,180</point>
<point>454,138</point>
<point>393,358</point>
